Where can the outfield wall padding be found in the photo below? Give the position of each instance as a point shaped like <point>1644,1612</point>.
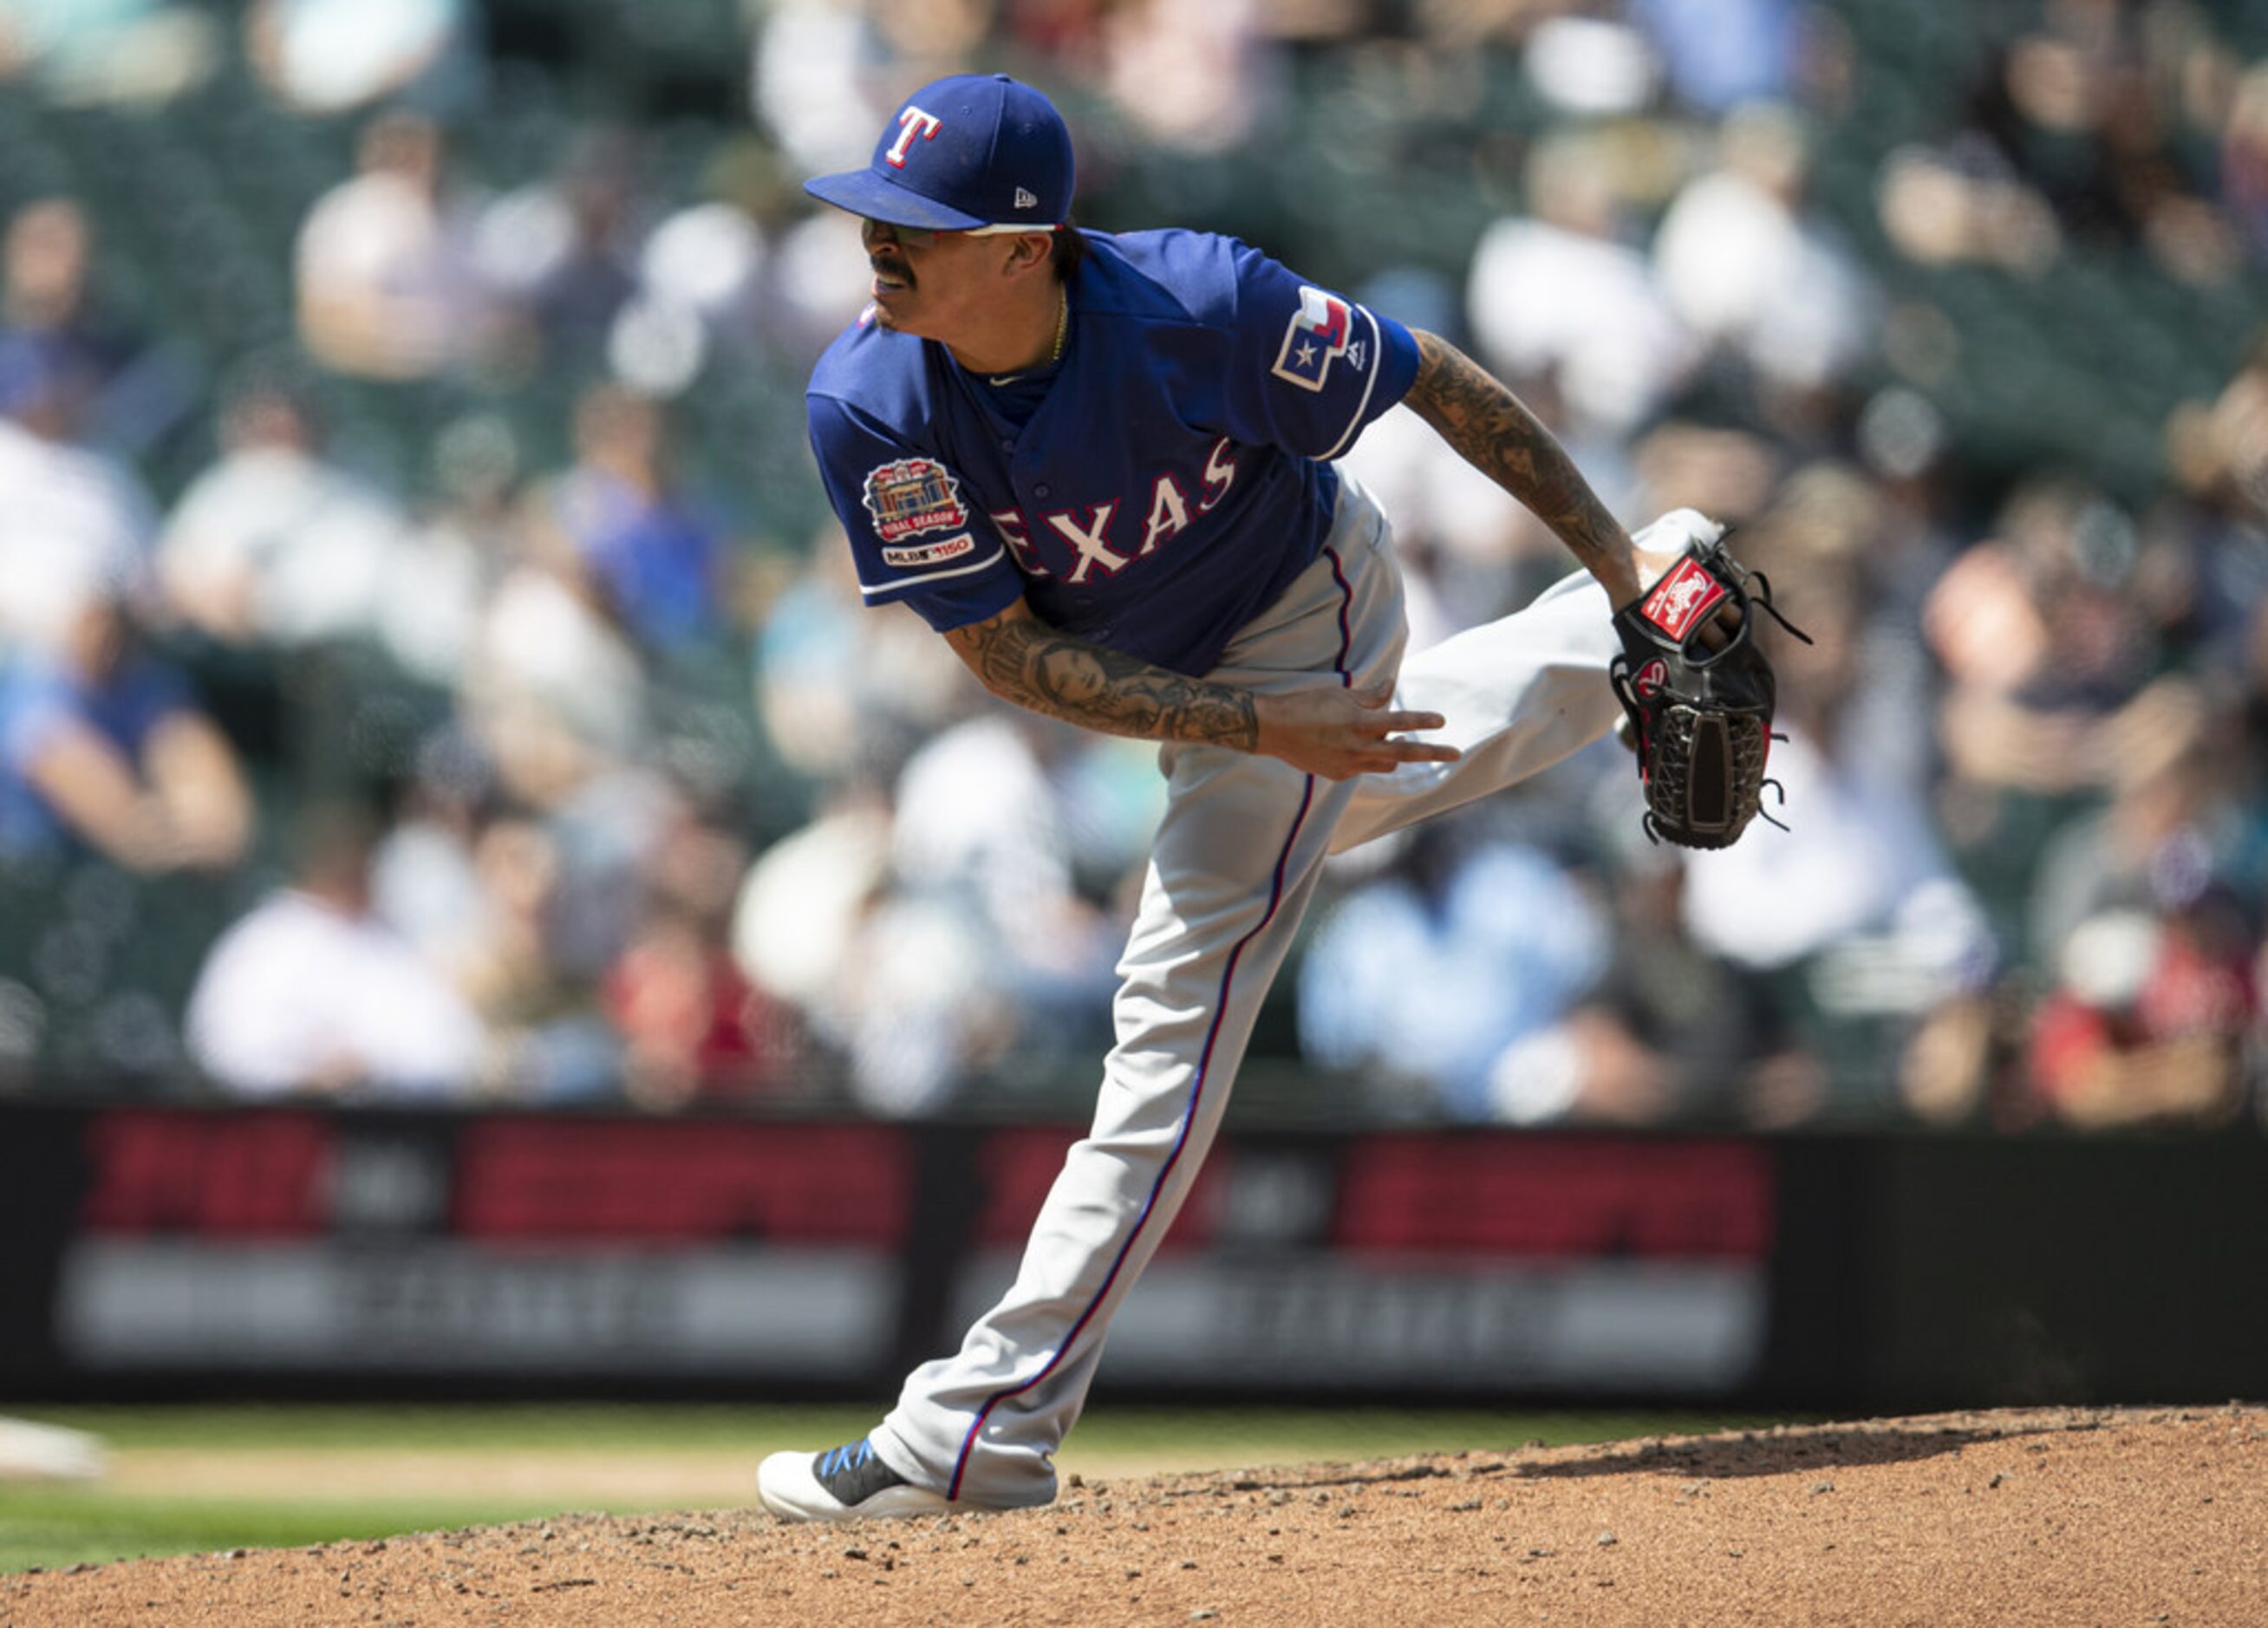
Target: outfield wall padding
<point>163,1251</point>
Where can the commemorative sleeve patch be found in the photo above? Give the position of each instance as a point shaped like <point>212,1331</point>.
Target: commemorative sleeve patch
<point>1318,334</point>
<point>912,495</point>
<point>930,553</point>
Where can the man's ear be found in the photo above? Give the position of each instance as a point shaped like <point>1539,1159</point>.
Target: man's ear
<point>1030,251</point>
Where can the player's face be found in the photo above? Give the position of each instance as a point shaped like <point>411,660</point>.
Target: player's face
<point>931,283</point>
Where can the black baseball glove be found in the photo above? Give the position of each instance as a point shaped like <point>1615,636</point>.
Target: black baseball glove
<point>1700,716</point>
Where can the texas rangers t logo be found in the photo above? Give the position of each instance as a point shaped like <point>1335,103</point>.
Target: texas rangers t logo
<point>1317,334</point>
<point>912,123</point>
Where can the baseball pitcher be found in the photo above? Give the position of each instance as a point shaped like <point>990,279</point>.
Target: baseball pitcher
<point>1101,467</point>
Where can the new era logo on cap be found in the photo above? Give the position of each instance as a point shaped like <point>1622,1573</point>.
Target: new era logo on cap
<point>971,151</point>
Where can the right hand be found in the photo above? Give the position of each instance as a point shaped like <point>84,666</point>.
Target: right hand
<point>1338,732</point>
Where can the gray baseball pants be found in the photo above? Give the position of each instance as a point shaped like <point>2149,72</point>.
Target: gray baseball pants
<point>1233,868</point>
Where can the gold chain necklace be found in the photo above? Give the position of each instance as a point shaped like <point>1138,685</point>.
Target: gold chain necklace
<point>1056,350</point>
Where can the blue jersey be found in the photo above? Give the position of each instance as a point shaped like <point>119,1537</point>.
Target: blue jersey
<point>1170,483</point>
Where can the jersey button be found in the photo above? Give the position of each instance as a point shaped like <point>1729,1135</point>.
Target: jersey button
<point>1040,491</point>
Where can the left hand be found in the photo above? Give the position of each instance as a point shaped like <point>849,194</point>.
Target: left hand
<point>1661,545</point>
<point>1699,696</point>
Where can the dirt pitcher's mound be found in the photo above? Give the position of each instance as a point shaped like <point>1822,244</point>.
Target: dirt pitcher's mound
<point>2053,1517</point>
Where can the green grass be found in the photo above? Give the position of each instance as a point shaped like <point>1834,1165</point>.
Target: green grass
<point>56,1527</point>
<point>504,1428</point>
<point>53,1525</point>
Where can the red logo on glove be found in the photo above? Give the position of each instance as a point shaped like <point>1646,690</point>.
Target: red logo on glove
<point>1685,594</point>
<point>1647,681</point>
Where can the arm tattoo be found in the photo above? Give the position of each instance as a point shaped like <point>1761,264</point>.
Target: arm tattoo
<point>1023,659</point>
<point>1494,432</point>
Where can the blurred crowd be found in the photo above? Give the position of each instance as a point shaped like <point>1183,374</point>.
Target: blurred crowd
<point>427,673</point>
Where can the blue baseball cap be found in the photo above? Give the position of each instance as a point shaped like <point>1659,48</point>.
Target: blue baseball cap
<point>962,154</point>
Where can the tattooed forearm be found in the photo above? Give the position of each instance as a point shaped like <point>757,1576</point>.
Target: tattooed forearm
<point>1491,430</point>
<point>1021,659</point>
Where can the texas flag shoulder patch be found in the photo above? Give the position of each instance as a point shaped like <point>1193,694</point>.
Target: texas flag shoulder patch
<point>1318,334</point>
<point>912,495</point>
<point>1686,594</point>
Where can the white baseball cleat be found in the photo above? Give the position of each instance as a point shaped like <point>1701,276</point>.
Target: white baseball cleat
<point>843,1483</point>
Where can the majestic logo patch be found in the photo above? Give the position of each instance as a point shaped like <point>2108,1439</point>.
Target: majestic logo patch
<point>930,553</point>
<point>1318,333</point>
<point>911,497</point>
<point>1681,598</point>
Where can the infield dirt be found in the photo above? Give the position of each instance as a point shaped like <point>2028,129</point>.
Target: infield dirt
<point>2051,1517</point>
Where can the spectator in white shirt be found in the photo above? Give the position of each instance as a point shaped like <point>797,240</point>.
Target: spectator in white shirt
<point>1560,304</point>
<point>312,994</point>
<point>1749,271</point>
<point>386,285</point>
<point>77,524</point>
<point>273,546</point>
